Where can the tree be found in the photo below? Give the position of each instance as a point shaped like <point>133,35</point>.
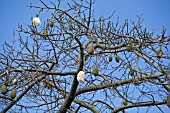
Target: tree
<point>125,66</point>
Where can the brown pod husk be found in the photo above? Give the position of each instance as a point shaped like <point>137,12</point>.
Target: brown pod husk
<point>159,53</point>
<point>168,100</point>
<point>90,50</point>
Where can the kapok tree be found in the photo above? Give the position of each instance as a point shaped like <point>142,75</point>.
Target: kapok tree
<point>67,60</point>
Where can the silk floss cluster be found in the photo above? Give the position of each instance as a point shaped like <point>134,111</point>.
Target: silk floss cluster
<point>36,21</point>
<point>80,76</point>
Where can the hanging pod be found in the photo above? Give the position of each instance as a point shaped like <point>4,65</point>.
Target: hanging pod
<point>95,70</point>
<point>45,33</point>
<point>110,58</point>
<point>117,58</point>
<point>131,72</point>
<point>159,53</point>
<point>125,103</point>
<point>51,23</point>
<point>129,47</point>
<point>4,89</point>
<point>13,93</point>
<point>6,82</point>
<point>90,50</point>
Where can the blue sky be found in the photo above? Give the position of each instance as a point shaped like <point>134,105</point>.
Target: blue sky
<point>155,14</point>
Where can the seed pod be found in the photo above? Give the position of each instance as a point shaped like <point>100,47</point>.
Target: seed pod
<point>47,84</point>
<point>136,82</point>
<point>45,33</point>
<point>70,27</point>
<point>168,100</point>
<point>13,93</point>
<point>125,103</point>
<point>37,15</point>
<point>110,58</point>
<point>129,47</point>
<point>90,50</point>
<point>51,23</point>
<point>159,53</point>
<point>4,89</point>
<point>44,83</point>
<point>6,82</point>
<point>95,70</point>
<point>117,58</point>
<point>131,72</point>
<point>79,57</point>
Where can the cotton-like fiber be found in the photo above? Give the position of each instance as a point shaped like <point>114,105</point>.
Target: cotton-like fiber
<point>80,76</point>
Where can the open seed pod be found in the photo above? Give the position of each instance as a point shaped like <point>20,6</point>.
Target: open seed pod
<point>80,76</point>
<point>14,81</point>
<point>36,21</point>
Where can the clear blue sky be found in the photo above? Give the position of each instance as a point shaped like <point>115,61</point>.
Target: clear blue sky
<point>155,13</point>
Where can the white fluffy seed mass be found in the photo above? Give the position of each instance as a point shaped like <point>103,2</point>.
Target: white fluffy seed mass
<point>14,81</point>
<point>36,21</point>
<point>80,76</point>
